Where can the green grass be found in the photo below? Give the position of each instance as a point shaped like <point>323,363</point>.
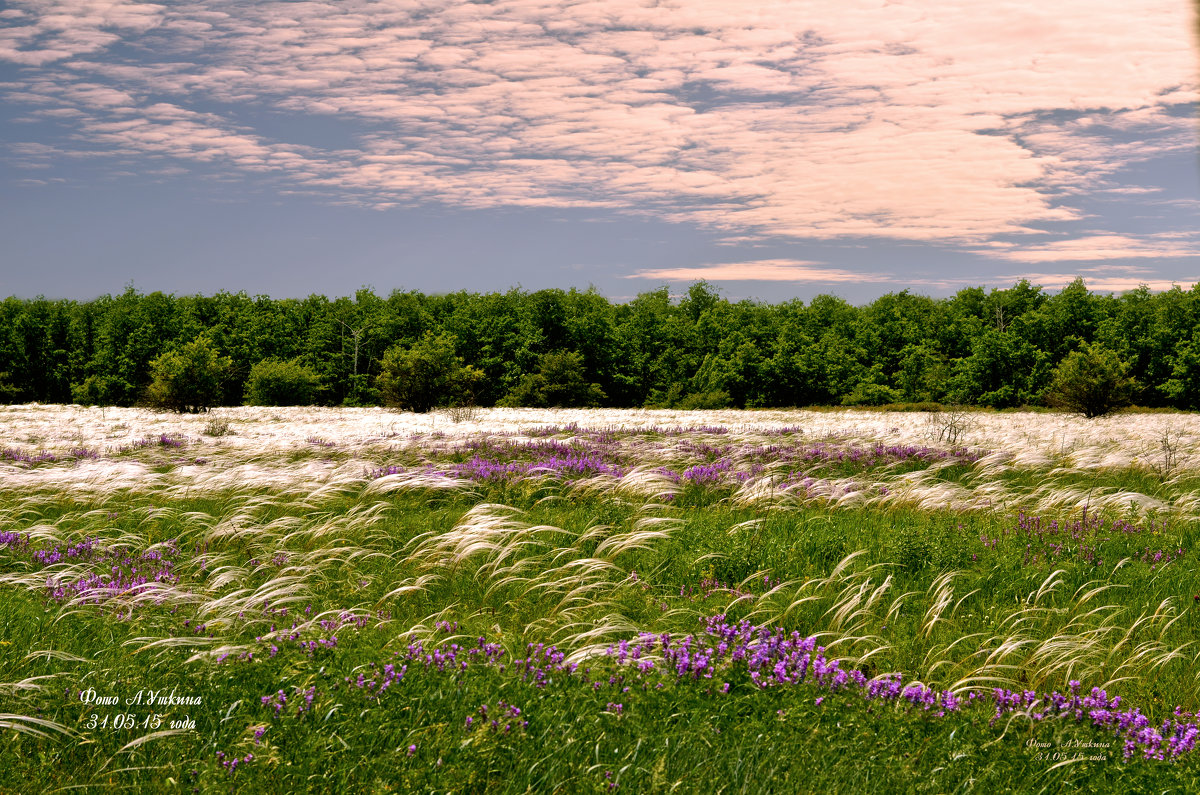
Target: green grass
<point>887,587</point>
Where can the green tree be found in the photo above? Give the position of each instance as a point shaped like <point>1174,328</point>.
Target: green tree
<point>871,390</point>
<point>894,324</point>
<point>1091,381</point>
<point>1002,371</point>
<point>426,374</point>
<point>275,382</point>
<point>492,335</point>
<point>734,374</point>
<point>8,392</point>
<point>923,374</point>
<point>560,381</point>
<point>701,297</point>
<point>654,340</point>
<point>1183,388</point>
<point>188,378</point>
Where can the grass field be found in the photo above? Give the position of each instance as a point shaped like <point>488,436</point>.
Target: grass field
<point>352,600</point>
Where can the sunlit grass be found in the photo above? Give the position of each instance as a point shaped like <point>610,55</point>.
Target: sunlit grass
<point>307,547</point>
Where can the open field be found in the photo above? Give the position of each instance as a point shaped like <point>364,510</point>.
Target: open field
<point>355,600</point>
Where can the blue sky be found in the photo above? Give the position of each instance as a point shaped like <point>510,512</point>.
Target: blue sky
<point>781,149</point>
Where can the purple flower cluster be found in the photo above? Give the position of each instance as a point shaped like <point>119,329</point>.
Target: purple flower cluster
<point>1087,525</point>
<point>124,573</point>
<point>728,652</point>
<point>1090,538</point>
<point>503,449</point>
<point>542,663</point>
<point>277,700</point>
<point>1172,738</point>
<point>859,457</point>
<point>771,658</point>
<point>230,763</point>
<point>167,440</point>
<point>538,668</point>
<point>705,474</point>
<point>376,686</point>
<point>309,645</point>
<point>28,459</point>
<point>1158,556</point>
<point>503,720</point>
<point>445,657</point>
<point>302,696</point>
<point>490,470</point>
<point>572,465</point>
<point>501,458</point>
<point>14,540</point>
<point>775,658</point>
<point>706,451</point>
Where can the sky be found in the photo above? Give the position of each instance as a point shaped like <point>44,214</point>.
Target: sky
<point>777,148</point>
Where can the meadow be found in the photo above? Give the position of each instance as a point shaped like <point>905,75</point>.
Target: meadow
<point>511,600</point>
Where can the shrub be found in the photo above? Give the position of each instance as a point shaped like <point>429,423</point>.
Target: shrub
<point>426,375</point>
<point>871,391</point>
<point>464,413</point>
<point>951,423</point>
<point>188,379</point>
<point>100,390</point>
<point>716,399</point>
<point>1091,381</point>
<point>274,382</point>
<point>8,392</point>
<point>217,427</point>
<point>560,381</point>
<point>359,392</point>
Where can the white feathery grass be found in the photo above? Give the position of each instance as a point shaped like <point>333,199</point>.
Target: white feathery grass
<point>942,591</point>
<point>36,727</point>
<point>277,493</point>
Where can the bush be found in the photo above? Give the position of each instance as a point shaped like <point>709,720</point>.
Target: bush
<point>952,423</point>
<point>274,382</point>
<point>189,378</point>
<point>359,392</point>
<point>217,427</point>
<point>716,399</point>
<point>1091,381</point>
<point>426,375</point>
<point>869,393</point>
<point>8,392</point>
<point>100,390</point>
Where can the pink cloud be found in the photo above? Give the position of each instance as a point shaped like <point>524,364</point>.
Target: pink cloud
<point>767,270</point>
<point>1103,247</point>
<point>782,117</point>
<point>40,33</point>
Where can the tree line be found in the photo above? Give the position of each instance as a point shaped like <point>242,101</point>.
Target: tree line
<point>1000,348</point>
